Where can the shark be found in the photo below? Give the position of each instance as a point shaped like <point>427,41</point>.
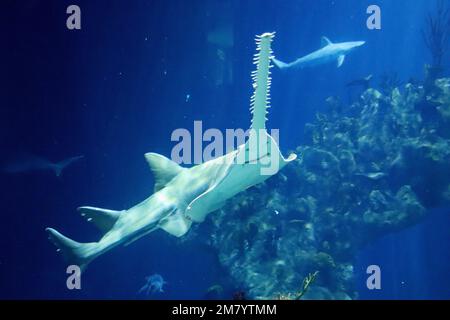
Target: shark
<point>329,52</point>
<point>35,163</point>
<point>186,195</point>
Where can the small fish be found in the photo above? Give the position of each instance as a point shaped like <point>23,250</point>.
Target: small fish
<point>215,288</point>
<point>297,221</point>
<point>214,292</point>
<point>372,175</point>
<point>363,82</point>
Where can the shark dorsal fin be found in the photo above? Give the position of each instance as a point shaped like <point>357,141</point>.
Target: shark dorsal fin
<point>103,219</point>
<point>163,168</point>
<point>260,100</point>
<point>340,60</point>
<point>325,42</point>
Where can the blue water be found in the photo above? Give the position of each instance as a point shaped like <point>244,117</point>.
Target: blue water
<point>118,87</point>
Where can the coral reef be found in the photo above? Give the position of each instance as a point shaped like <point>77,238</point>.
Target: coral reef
<point>367,169</point>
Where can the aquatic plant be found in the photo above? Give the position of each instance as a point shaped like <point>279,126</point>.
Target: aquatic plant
<point>307,282</point>
<point>389,81</point>
<point>436,36</point>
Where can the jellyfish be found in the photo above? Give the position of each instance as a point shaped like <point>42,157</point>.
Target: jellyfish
<point>154,284</point>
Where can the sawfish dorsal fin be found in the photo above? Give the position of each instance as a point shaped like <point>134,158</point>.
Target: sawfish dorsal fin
<point>325,41</point>
<point>163,168</point>
<point>260,100</point>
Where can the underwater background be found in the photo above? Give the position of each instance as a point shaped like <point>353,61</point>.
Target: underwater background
<point>372,185</point>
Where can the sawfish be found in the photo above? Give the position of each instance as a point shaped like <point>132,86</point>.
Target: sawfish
<point>183,196</point>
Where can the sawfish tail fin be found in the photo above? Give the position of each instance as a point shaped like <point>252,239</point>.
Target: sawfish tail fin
<point>60,166</point>
<point>75,253</point>
<point>280,64</point>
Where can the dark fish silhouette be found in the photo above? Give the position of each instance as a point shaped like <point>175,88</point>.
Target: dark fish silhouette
<point>363,82</point>
<point>35,163</point>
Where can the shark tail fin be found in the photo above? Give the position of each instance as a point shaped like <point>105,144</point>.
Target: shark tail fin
<point>280,64</point>
<point>60,166</point>
<point>58,170</point>
<point>75,253</point>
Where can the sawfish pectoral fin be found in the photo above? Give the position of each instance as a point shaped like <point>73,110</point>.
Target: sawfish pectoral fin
<point>176,224</point>
<point>196,210</point>
<point>291,157</point>
<point>163,168</point>
<point>103,219</point>
<point>284,161</point>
